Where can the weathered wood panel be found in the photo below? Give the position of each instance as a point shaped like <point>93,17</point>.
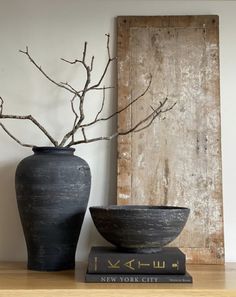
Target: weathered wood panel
<point>176,161</point>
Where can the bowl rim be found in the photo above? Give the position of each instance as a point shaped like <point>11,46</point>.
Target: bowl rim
<point>138,208</point>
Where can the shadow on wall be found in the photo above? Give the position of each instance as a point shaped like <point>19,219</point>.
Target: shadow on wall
<point>12,244</point>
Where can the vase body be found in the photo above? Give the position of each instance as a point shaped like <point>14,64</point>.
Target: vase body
<point>52,190</point>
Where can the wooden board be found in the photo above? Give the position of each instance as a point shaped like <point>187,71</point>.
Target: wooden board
<point>176,161</point>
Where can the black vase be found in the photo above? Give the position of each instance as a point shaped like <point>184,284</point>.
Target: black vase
<point>52,189</point>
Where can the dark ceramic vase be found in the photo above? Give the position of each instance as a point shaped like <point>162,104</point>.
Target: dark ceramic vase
<point>52,189</point>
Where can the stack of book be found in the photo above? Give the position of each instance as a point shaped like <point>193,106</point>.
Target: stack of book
<point>109,265</point>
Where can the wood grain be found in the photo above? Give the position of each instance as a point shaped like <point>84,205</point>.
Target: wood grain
<point>208,280</point>
<point>176,161</point>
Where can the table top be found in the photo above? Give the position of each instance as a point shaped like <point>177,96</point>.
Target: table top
<point>208,280</point>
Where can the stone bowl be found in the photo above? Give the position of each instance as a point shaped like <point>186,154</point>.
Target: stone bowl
<point>134,228</point>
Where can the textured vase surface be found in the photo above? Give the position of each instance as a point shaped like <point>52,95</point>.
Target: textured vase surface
<point>52,190</point>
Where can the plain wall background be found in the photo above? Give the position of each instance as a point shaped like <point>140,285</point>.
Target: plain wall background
<point>58,28</point>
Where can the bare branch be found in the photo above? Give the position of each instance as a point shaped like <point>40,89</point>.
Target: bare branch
<point>73,108</point>
<point>70,86</point>
<point>136,128</point>
<point>156,112</point>
<point>103,101</point>
<point>103,88</point>
<point>79,116</point>
<point>84,135</point>
<point>155,115</point>
<point>1,105</point>
<point>91,65</point>
<point>148,124</point>
<point>81,94</point>
<point>33,120</point>
<point>96,120</point>
<point>26,52</point>
<point>110,59</point>
<point>84,52</point>
<point>88,70</point>
<point>169,108</point>
<point>86,87</point>
<point>93,140</point>
<point>72,62</point>
<point>124,108</point>
<point>103,75</point>
<point>14,138</point>
<point>79,61</point>
<point>81,106</point>
<point>75,113</point>
<point>108,46</point>
<point>78,112</point>
<point>82,97</point>
<point>131,102</point>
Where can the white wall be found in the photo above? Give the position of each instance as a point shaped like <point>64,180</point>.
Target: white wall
<point>57,28</point>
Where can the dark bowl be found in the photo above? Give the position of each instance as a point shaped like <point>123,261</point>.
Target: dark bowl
<point>135,228</point>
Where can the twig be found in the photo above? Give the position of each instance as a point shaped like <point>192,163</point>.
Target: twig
<point>136,128</point>
<point>103,101</point>
<point>84,52</point>
<point>86,87</point>
<point>96,120</point>
<point>26,52</point>
<point>72,62</point>
<point>70,86</point>
<point>155,115</point>
<point>81,105</point>
<point>103,88</point>
<point>103,75</point>
<point>75,113</point>
<point>33,120</point>
<point>14,138</point>
<point>110,59</point>
<point>1,105</point>
<point>91,65</point>
<point>108,46</point>
<point>93,140</point>
<point>79,115</point>
<point>122,109</point>
<point>131,102</point>
<point>83,92</point>
<point>84,135</point>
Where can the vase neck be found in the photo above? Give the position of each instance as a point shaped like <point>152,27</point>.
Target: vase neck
<point>53,150</point>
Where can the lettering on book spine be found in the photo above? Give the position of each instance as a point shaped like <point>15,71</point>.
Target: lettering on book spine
<point>169,261</point>
<point>136,265</point>
<point>159,264</point>
<point>175,265</point>
<point>129,264</point>
<point>113,265</point>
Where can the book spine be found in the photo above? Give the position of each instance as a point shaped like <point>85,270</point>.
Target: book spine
<point>126,278</point>
<point>138,264</point>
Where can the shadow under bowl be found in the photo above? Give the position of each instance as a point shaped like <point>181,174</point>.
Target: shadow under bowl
<point>136,228</point>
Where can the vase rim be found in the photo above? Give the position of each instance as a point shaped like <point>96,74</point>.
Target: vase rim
<point>43,149</point>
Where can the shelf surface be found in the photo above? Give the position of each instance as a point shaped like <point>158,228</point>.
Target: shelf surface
<point>208,280</point>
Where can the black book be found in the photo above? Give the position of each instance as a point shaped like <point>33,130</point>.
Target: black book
<point>170,260</point>
<point>138,278</point>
